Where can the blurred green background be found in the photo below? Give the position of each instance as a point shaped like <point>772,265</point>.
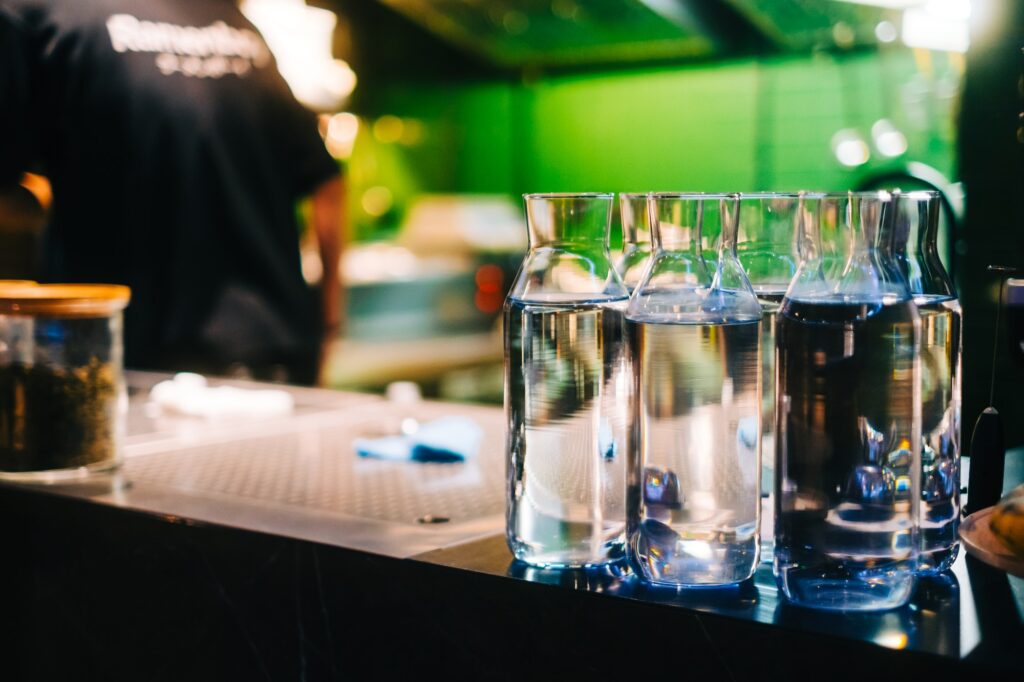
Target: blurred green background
<point>739,125</point>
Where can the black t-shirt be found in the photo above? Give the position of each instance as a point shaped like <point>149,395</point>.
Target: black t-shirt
<point>177,154</point>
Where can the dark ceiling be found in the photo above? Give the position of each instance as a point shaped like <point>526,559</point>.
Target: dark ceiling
<point>422,40</point>
<point>553,33</point>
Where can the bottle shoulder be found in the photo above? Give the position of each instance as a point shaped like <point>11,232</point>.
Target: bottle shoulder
<point>693,305</point>
<point>563,301</point>
<point>842,309</point>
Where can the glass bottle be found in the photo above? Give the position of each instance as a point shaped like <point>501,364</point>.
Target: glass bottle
<point>766,243</point>
<point>566,388</point>
<point>847,487</point>
<point>636,238</point>
<point>693,504</point>
<point>914,237</point>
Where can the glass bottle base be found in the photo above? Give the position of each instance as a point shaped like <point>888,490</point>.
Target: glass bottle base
<point>661,556</point>
<point>843,594</point>
<point>611,553</point>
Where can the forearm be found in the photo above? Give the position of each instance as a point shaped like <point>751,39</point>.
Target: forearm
<point>328,223</point>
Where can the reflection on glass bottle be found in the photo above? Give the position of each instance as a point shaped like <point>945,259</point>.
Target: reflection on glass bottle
<point>894,629</point>
<point>871,484</point>
<point>912,236</point>
<point>566,389</point>
<point>609,578</point>
<point>694,494</point>
<point>938,613</point>
<point>848,479</point>
<point>931,623</point>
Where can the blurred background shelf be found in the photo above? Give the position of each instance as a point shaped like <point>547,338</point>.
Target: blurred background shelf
<point>465,367</point>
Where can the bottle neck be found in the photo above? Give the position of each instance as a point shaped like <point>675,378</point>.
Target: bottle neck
<point>695,274</point>
<point>911,237</point>
<point>865,221</point>
<point>695,225</point>
<point>845,250</point>
<point>730,210</point>
<point>636,223</point>
<point>569,222</point>
<point>807,230</point>
<point>569,258</point>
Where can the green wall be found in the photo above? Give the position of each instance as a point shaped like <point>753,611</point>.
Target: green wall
<point>734,126</point>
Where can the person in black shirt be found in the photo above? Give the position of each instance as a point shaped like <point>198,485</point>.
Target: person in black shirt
<point>177,155</point>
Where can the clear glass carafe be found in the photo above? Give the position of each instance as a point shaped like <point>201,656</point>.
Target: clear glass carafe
<point>847,487</point>
<point>566,388</point>
<point>766,243</point>
<point>636,238</point>
<point>694,326</point>
<point>913,236</point>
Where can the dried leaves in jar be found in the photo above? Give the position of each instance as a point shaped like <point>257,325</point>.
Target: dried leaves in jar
<point>56,417</point>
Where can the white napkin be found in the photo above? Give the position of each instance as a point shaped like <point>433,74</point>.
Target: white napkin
<point>188,394</point>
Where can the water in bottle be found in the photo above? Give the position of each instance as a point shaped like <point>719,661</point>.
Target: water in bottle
<point>848,470</point>
<point>912,235</point>
<point>566,389</point>
<point>694,468</point>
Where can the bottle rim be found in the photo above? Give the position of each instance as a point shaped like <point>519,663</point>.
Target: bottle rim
<point>775,195</point>
<point>569,195</point>
<point>920,194</point>
<point>882,194</point>
<point>693,195</point>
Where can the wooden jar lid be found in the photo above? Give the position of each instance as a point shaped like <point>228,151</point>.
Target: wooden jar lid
<point>62,300</point>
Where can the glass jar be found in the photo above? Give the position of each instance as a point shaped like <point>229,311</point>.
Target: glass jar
<point>847,487</point>
<point>566,388</point>
<point>62,391</point>
<point>694,326</point>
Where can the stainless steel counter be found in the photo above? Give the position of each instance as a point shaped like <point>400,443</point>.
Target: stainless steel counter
<point>298,475</point>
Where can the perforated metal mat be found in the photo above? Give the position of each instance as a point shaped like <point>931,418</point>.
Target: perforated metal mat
<point>300,476</point>
<point>315,467</point>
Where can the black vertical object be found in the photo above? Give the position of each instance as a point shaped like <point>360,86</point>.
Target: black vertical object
<point>988,461</point>
<point>991,155</point>
<point>988,441</point>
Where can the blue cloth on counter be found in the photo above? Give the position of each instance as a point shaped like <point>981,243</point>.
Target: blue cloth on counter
<point>448,439</point>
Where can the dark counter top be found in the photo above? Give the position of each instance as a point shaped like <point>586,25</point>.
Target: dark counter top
<point>236,550</point>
